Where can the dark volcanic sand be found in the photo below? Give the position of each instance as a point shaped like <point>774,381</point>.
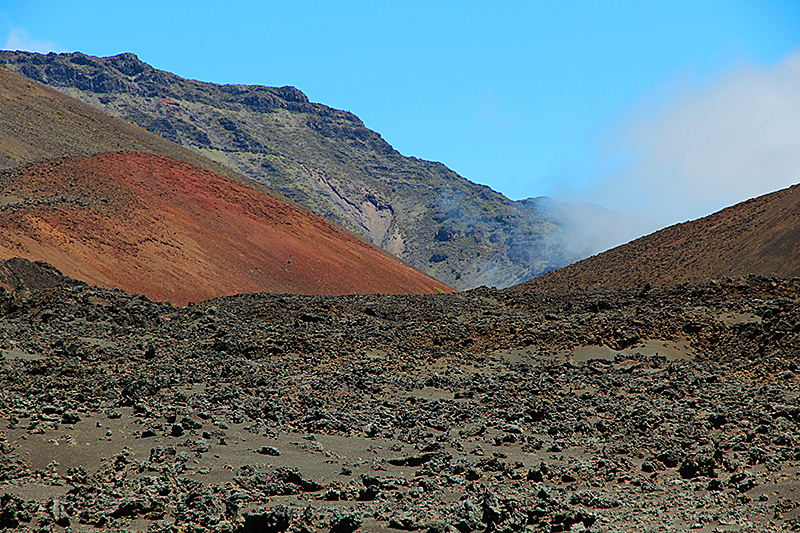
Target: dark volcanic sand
<point>671,409</point>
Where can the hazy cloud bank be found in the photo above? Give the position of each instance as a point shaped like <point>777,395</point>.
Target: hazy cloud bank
<point>704,148</point>
<point>20,39</point>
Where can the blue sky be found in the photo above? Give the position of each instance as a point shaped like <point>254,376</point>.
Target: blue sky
<point>669,109</point>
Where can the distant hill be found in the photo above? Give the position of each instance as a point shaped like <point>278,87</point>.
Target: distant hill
<point>760,236</point>
<point>326,159</point>
<point>175,232</point>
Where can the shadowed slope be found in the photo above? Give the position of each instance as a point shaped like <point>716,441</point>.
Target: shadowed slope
<point>760,236</point>
<point>175,232</point>
<point>20,274</point>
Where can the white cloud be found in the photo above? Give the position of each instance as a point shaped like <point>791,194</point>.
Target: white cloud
<point>708,147</point>
<point>20,39</point>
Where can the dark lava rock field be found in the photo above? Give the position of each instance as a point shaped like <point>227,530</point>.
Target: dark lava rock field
<point>654,409</point>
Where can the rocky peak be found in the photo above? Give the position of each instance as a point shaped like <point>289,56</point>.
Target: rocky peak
<point>129,64</point>
<point>291,94</point>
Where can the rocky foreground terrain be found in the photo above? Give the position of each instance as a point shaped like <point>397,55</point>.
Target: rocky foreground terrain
<point>651,409</point>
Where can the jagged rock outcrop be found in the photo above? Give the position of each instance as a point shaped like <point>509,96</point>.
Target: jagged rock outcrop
<point>19,274</point>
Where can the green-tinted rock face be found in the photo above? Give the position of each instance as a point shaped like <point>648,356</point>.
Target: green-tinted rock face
<point>462,233</point>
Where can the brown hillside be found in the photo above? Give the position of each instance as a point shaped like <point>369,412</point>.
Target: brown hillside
<point>38,123</point>
<point>760,236</point>
<point>175,232</point>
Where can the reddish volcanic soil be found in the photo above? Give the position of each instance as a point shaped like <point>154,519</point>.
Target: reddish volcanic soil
<point>178,233</point>
<point>760,236</point>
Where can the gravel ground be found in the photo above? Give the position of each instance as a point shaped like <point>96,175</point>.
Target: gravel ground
<point>655,409</point>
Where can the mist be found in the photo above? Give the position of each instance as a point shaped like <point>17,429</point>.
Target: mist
<point>588,229</point>
<point>692,149</point>
<point>20,39</point>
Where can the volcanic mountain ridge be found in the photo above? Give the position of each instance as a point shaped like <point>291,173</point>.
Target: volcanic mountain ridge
<point>462,233</point>
<point>38,123</point>
<point>51,188</point>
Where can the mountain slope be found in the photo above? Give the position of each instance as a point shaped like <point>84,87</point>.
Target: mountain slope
<point>175,232</point>
<point>463,233</point>
<point>760,236</point>
<point>38,123</point>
